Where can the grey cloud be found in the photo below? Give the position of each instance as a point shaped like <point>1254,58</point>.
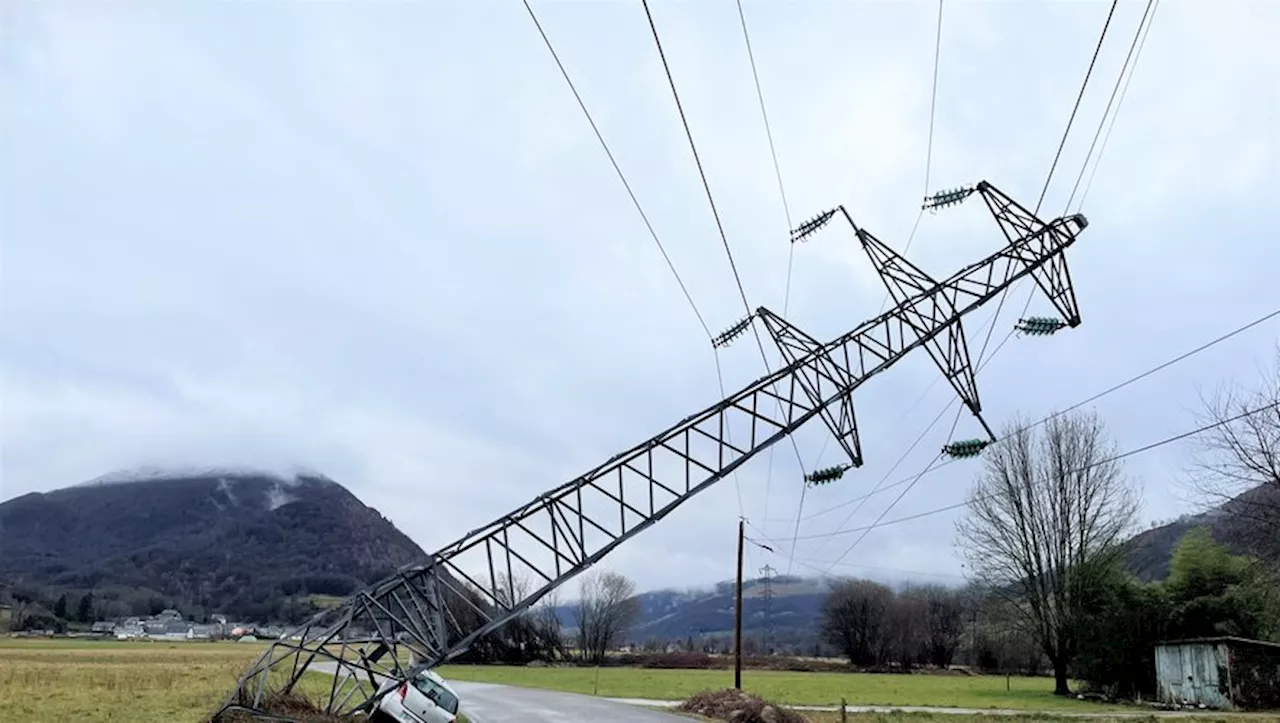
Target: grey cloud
<point>383,243</point>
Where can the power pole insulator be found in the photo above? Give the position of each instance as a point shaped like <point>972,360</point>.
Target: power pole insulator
<point>733,332</point>
<point>965,448</point>
<point>825,475</point>
<point>946,198</point>
<point>1040,325</point>
<point>810,227</point>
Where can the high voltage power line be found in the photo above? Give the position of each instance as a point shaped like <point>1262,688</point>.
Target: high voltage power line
<point>812,564</point>
<point>1110,100</point>
<point>901,459</point>
<point>724,239</point>
<point>618,170</point>
<point>1109,390</point>
<point>928,156</point>
<point>786,210</point>
<point>645,217</point>
<point>1066,132</point>
<point>1113,458</point>
<point>1123,92</point>
<point>928,167</point>
<point>1147,15</point>
<point>983,359</point>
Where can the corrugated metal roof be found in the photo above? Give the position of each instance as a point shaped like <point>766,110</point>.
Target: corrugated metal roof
<point>1230,639</point>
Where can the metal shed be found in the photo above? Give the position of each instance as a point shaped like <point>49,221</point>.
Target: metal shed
<point>1222,672</point>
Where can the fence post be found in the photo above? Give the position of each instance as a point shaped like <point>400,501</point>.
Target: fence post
<point>844,713</point>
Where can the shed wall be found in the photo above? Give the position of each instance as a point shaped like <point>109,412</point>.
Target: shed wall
<point>1195,673</point>
<point>1255,676</point>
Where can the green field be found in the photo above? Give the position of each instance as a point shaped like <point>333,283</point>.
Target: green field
<point>948,691</point>
<point>50,681</point>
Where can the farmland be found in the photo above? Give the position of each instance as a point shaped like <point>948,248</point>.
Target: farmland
<point>795,688</point>
<point>43,681</point>
<point>63,680</point>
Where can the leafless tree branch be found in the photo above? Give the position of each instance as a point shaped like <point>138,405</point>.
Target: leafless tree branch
<point>1239,460</point>
<point>1047,514</point>
<point>606,611</point>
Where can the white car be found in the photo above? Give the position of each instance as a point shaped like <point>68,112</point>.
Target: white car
<point>425,698</point>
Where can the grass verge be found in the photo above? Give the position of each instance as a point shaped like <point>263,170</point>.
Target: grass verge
<point>789,688</point>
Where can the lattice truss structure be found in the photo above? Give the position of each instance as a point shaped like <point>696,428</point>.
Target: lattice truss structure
<point>428,613</point>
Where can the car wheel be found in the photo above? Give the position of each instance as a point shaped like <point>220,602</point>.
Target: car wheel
<point>381,717</point>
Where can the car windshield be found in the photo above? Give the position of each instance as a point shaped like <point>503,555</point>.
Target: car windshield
<point>437,693</point>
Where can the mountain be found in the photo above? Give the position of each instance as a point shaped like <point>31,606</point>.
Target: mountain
<point>239,542</point>
<point>791,611</point>
<point>794,609</point>
<point>1151,551</point>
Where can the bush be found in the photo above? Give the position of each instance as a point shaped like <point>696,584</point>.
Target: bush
<point>687,660</point>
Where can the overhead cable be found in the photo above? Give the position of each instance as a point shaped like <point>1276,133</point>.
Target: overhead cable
<point>786,210</point>
<point>1103,120</point>
<point>715,213</point>
<point>1113,458</point>
<point>639,209</point>
<point>1048,178</point>
<point>1120,103</point>
<point>1092,398</point>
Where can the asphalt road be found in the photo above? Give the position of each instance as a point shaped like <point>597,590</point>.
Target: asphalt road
<point>489,703</point>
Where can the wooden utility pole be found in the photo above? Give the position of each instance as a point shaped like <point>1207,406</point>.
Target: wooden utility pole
<point>737,618</point>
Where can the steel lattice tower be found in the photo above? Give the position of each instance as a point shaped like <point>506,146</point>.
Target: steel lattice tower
<point>767,578</point>
<point>427,613</point>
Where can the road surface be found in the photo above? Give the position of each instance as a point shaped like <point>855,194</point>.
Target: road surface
<point>489,703</point>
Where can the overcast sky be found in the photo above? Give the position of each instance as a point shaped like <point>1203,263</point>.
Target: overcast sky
<point>381,241</point>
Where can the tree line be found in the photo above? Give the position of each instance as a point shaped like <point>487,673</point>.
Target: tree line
<point>1049,522</point>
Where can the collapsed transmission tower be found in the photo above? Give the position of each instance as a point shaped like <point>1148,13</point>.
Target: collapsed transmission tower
<point>433,611</point>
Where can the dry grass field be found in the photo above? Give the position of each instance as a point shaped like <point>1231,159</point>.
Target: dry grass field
<point>60,680</point>
<point>67,680</point>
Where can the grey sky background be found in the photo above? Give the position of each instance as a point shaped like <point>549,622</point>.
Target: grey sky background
<point>379,240</point>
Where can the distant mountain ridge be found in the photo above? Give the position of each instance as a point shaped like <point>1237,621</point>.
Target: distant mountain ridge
<point>794,612</point>
<point>259,545</point>
<point>232,541</point>
<point>291,475</point>
<point>1151,551</point>
<point>790,613</point>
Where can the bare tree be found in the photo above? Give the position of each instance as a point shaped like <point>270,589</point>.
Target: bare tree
<point>943,623</point>
<point>906,629</point>
<point>606,611</point>
<point>1046,518</point>
<point>854,615</point>
<point>546,616</point>
<point>1240,459</point>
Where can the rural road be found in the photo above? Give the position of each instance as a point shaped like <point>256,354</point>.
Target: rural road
<point>490,703</point>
